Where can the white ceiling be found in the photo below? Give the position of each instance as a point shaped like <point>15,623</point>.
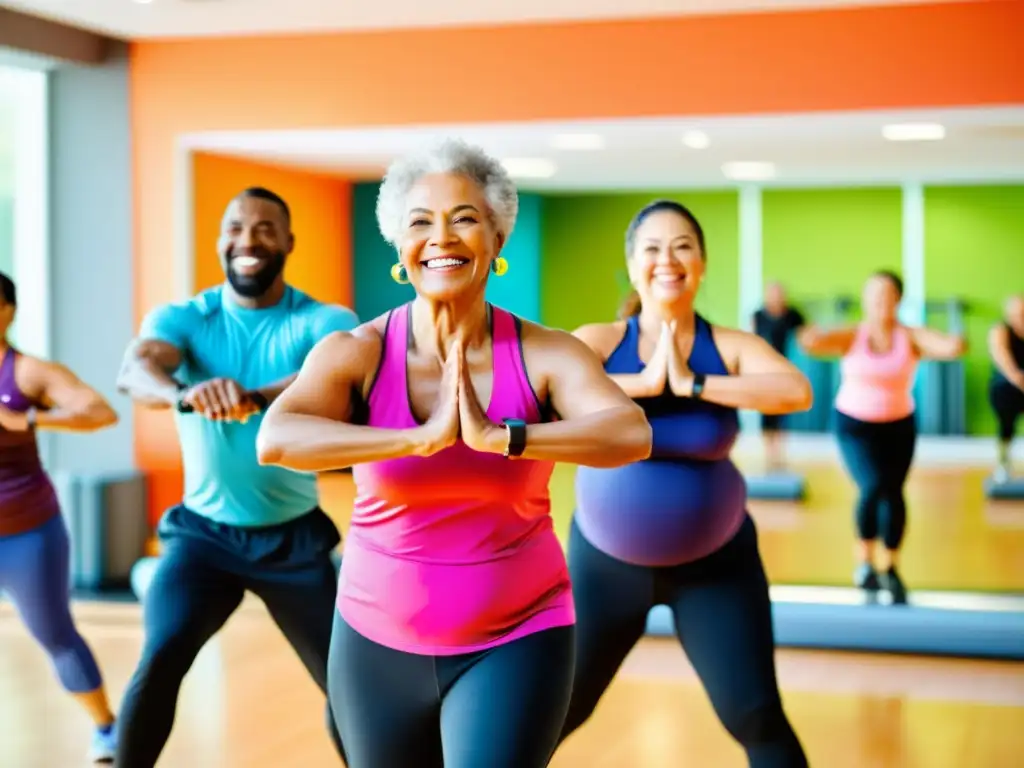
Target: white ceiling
<point>980,145</point>
<point>135,19</point>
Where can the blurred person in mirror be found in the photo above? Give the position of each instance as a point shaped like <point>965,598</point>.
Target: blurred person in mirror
<point>37,395</point>
<point>673,529</point>
<point>875,421</point>
<point>454,636</point>
<point>1006,387</point>
<point>776,322</point>
<point>218,361</point>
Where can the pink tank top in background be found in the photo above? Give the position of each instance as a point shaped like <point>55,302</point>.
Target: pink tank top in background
<point>455,552</point>
<point>878,387</point>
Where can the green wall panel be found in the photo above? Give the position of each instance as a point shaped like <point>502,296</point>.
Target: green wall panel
<point>583,274</point>
<point>974,249</point>
<point>822,243</point>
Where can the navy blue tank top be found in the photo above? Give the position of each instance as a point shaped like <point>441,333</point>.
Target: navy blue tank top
<point>688,499</point>
<point>1016,352</point>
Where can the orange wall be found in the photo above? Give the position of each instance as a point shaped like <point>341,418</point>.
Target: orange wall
<point>905,56</point>
<point>321,220</point>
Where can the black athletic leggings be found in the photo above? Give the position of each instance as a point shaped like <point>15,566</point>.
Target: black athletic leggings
<point>878,456</point>
<point>498,708</point>
<point>1008,403</point>
<point>723,619</point>
<point>203,573</point>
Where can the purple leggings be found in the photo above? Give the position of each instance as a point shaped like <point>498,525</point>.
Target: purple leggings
<point>34,573</point>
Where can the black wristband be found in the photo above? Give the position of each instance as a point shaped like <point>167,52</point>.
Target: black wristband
<point>516,437</point>
<point>259,399</point>
<point>698,385</point>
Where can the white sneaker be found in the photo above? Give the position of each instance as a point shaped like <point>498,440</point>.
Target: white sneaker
<point>1001,475</point>
<point>104,745</point>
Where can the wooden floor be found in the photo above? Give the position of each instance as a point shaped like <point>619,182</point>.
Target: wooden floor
<point>248,704</point>
<point>956,538</point>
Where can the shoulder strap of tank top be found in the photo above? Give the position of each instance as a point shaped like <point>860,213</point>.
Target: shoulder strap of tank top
<point>7,365</point>
<point>860,339</point>
<point>390,380</point>
<point>509,373</point>
<point>705,352</point>
<point>903,344</point>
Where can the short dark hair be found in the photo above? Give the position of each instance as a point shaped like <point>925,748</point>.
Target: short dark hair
<point>892,277</point>
<point>8,290</point>
<point>262,193</point>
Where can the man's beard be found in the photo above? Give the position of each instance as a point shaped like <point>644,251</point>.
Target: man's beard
<point>255,285</point>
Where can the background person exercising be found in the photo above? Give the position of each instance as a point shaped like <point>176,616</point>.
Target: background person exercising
<point>241,526</point>
<point>1006,388</point>
<point>34,548</point>
<point>775,322</point>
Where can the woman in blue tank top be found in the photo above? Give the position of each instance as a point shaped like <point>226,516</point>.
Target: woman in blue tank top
<point>673,529</point>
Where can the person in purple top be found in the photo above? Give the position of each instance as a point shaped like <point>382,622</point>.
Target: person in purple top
<point>34,550</point>
<point>673,529</point>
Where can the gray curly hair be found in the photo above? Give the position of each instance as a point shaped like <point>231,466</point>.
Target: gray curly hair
<point>448,156</point>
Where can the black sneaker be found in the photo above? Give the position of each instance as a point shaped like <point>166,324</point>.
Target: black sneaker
<point>865,578</point>
<point>893,584</point>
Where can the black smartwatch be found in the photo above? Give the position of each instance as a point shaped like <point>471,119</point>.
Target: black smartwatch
<point>698,385</point>
<point>516,429</point>
<point>259,399</point>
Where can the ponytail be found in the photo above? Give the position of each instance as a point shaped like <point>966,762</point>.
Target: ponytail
<point>631,306</point>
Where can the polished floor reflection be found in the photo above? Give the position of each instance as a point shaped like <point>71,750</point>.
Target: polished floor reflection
<point>248,704</point>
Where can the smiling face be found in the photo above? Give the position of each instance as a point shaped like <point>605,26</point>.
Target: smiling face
<point>667,261</point>
<point>254,243</point>
<point>880,300</point>
<point>449,242</point>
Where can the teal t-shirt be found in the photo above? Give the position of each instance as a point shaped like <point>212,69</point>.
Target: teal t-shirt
<point>255,347</point>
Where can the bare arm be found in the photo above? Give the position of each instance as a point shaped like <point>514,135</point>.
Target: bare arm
<point>763,381</point>
<point>999,349</point>
<point>306,428</point>
<point>146,373</point>
<point>601,338</point>
<point>600,425</point>
<point>936,345</point>
<point>821,343</point>
<point>73,406</point>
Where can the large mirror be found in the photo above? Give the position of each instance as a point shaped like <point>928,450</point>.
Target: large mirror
<point>780,260</point>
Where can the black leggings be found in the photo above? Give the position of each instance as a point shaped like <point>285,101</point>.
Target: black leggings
<point>204,571</point>
<point>1008,403</point>
<point>498,708</point>
<point>723,619</point>
<point>878,456</point>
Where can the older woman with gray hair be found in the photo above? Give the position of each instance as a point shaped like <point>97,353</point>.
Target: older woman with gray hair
<point>454,637</point>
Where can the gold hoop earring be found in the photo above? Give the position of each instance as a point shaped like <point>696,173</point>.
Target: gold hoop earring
<point>399,274</point>
<point>499,266</point>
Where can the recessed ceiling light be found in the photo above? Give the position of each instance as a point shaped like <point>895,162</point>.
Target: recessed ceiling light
<point>696,140</point>
<point>143,2</point>
<point>914,132</point>
<point>579,141</point>
<point>529,167</point>
<point>749,171</point>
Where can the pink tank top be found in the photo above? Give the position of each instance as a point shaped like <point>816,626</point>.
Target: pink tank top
<point>878,387</point>
<point>455,552</point>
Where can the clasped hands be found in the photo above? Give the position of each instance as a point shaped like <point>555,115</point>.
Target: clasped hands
<point>667,366</point>
<point>221,400</point>
<point>459,413</point>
